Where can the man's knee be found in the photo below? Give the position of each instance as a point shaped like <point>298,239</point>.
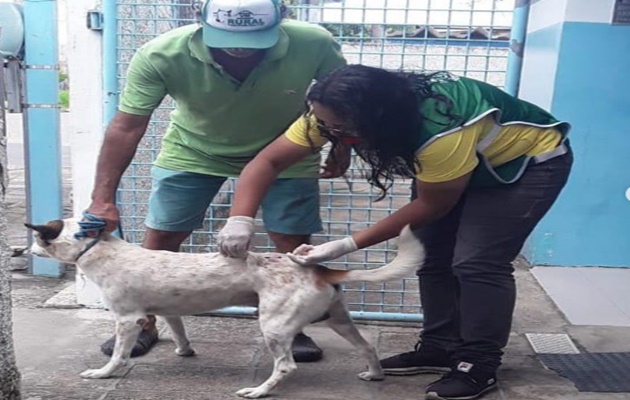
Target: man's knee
<point>286,243</point>
<point>163,240</point>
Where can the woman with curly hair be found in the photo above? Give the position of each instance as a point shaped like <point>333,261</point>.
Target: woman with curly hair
<point>486,167</point>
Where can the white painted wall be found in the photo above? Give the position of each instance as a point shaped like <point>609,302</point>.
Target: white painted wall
<point>62,34</point>
<point>541,59</point>
<point>545,13</point>
<point>85,69</point>
<point>599,11</point>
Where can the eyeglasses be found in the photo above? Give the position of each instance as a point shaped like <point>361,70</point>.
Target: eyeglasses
<point>344,136</point>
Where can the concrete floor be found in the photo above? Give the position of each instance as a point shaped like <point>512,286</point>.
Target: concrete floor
<point>55,345</point>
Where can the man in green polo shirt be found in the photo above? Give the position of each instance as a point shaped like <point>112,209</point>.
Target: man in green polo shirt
<point>238,80</point>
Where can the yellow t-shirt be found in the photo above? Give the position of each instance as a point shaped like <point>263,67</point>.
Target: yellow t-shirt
<point>455,155</point>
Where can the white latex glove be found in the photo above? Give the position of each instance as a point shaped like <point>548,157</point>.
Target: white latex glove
<point>307,254</point>
<point>234,238</point>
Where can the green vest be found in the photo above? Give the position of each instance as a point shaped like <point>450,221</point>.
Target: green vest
<point>472,100</point>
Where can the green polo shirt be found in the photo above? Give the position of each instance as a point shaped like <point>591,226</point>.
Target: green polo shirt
<point>219,124</point>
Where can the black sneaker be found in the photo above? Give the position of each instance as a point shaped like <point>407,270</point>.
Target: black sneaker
<point>465,382</point>
<point>419,361</point>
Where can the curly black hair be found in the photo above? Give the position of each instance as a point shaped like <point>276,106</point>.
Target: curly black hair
<point>383,108</point>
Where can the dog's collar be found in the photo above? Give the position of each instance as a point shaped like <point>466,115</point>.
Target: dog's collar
<point>87,248</point>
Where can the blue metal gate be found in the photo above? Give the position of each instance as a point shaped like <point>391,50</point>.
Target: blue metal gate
<point>466,37</point>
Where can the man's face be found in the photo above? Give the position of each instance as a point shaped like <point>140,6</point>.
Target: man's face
<point>240,53</point>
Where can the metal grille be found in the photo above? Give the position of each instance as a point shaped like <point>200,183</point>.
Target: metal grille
<point>551,343</point>
<point>465,37</point>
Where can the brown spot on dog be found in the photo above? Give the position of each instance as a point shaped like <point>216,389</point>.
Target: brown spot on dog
<point>326,276</point>
<point>286,279</point>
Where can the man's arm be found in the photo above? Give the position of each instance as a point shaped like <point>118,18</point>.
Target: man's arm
<point>143,92</point>
<point>119,146</point>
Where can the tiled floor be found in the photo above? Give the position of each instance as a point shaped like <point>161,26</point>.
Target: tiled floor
<point>589,296</point>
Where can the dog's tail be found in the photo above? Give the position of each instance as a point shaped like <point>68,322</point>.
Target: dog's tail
<point>410,257</point>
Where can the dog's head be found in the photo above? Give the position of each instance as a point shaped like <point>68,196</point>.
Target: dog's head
<point>57,239</point>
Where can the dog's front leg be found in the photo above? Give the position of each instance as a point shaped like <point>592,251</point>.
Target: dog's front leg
<point>127,331</point>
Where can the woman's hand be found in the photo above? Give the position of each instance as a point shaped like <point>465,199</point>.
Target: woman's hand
<point>307,254</point>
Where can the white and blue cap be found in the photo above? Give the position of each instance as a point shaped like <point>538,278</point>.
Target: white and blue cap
<point>247,24</point>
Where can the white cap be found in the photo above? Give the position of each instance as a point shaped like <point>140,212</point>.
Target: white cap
<point>250,24</point>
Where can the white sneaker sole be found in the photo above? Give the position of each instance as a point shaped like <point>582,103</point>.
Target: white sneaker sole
<point>415,371</point>
<point>434,396</point>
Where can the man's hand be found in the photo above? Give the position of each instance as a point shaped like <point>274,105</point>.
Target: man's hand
<point>307,254</point>
<point>108,212</point>
<point>234,238</point>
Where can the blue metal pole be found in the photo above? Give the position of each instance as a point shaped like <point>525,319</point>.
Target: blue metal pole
<point>357,315</point>
<point>41,122</point>
<point>517,46</point>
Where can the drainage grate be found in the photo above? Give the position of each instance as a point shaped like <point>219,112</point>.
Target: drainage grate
<point>551,343</point>
<point>592,372</point>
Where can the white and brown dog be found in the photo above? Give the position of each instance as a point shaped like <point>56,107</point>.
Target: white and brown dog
<point>136,282</point>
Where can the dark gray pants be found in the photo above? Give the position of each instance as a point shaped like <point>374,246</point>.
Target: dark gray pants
<point>467,285</point>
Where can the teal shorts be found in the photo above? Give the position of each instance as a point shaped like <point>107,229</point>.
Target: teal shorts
<point>179,201</point>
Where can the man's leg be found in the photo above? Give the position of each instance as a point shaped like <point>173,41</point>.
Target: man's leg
<point>177,206</point>
<point>155,239</point>
<point>494,225</point>
<point>291,215</point>
<point>287,243</point>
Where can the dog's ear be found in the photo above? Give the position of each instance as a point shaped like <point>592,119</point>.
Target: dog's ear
<point>47,232</point>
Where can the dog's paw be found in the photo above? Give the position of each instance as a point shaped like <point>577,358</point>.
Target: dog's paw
<point>371,376</point>
<point>251,393</point>
<point>94,374</point>
<point>187,352</point>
